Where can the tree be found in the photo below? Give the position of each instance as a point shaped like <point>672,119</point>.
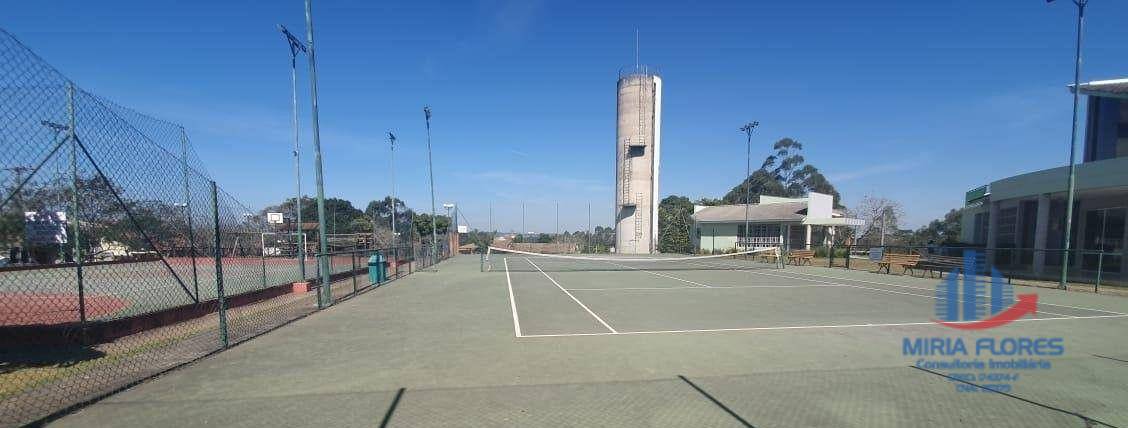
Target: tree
<point>423,225</point>
<point>673,225</point>
<point>881,216</point>
<point>943,231</point>
<point>761,182</point>
<point>783,173</point>
<point>708,202</point>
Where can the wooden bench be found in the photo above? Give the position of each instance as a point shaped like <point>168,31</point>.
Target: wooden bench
<point>906,261</point>
<point>797,257</point>
<point>940,264</point>
<point>769,257</point>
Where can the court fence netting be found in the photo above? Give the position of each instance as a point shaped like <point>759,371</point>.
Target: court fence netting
<point>126,258</point>
<point>497,259</point>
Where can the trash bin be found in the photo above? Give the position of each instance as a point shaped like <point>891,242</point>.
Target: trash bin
<point>376,273</point>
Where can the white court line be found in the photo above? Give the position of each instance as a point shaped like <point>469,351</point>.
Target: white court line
<point>806,327</point>
<point>582,305</point>
<point>891,291</point>
<point>921,288</point>
<point>664,276</point>
<point>928,289</point>
<point>717,287</point>
<point>512,301</point>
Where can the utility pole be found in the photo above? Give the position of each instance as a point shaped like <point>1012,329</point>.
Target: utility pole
<point>296,46</point>
<point>588,243</point>
<point>325,295</point>
<point>747,129</point>
<point>431,169</point>
<point>1072,142</point>
<point>392,140</point>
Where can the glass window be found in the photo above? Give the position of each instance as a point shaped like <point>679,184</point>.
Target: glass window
<point>1008,221</point>
<point>1106,136</point>
<point>1104,236</point>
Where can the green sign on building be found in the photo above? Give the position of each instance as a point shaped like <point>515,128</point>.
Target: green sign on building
<point>974,195</point>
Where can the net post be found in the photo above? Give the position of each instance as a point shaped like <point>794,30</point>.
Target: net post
<point>221,299</point>
<point>353,271</point>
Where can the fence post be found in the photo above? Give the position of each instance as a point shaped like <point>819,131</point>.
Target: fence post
<point>219,268</point>
<point>188,211</point>
<point>75,240</point>
<point>1100,268</point>
<point>262,257</point>
<point>353,254</point>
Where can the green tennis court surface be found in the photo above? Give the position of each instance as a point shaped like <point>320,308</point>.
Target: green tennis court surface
<point>544,345</point>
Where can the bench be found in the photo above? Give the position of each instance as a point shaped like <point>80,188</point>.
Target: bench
<point>940,264</point>
<point>769,257</point>
<point>906,261</point>
<point>797,257</point>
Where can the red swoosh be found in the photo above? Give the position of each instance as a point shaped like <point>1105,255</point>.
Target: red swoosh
<point>1026,304</point>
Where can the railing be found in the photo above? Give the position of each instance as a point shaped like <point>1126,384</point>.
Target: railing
<point>757,241</point>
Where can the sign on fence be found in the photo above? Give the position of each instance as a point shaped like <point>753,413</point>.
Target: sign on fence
<point>45,227</point>
<point>876,253</point>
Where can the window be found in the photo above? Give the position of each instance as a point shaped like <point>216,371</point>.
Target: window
<point>979,229</point>
<point>1104,231</point>
<point>1107,129</point>
<point>1008,221</point>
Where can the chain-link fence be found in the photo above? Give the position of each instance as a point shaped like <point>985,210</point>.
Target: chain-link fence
<point>123,259</point>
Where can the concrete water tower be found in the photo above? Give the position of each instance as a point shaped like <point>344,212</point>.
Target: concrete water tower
<point>638,143</point>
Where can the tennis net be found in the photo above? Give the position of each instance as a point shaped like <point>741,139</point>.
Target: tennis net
<point>502,259</point>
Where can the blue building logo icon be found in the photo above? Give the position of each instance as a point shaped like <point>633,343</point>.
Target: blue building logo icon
<point>974,304</point>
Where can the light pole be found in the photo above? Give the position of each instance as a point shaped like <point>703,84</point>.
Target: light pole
<point>747,129</point>
<point>392,141</point>
<point>325,294</point>
<point>453,221</point>
<point>431,171</point>
<point>296,46</point>
<point>1072,141</point>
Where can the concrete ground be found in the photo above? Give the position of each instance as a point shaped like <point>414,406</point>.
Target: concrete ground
<point>544,346</point>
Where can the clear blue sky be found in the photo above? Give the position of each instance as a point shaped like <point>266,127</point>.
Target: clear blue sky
<point>914,101</point>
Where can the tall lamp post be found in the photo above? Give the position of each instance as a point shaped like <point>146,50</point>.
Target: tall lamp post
<point>747,130</point>
<point>1072,141</point>
<point>453,221</point>
<point>325,294</point>
<point>431,172</point>
<point>296,46</point>
<point>392,141</point>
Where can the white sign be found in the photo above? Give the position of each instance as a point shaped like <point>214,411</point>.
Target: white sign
<point>274,218</point>
<point>463,229</point>
<point>45,227</point>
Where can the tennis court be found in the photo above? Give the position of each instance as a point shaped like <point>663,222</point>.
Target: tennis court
<point>558,342</point>
<point>627,295</point>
